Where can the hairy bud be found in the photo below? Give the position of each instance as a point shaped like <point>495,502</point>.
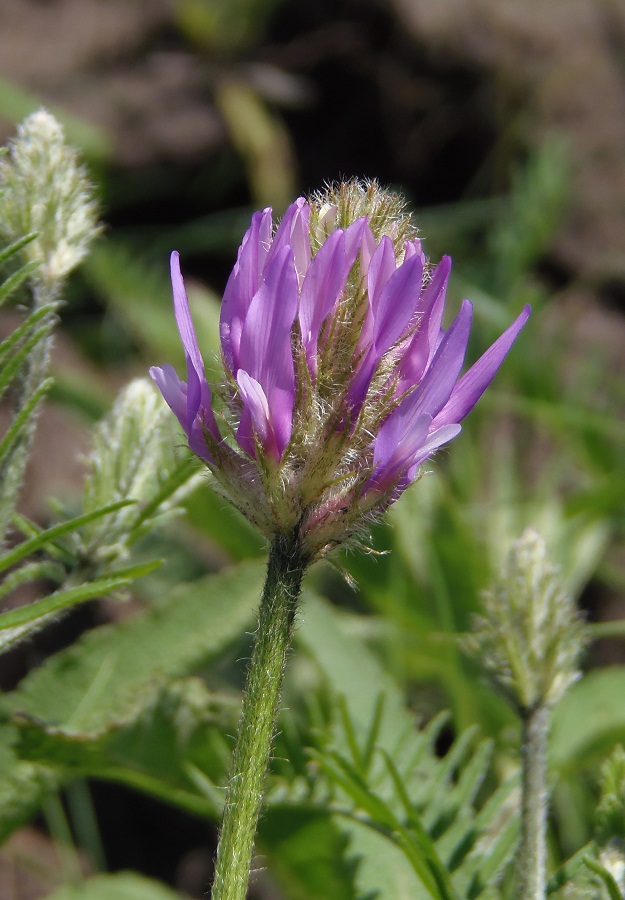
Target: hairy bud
<point>45,190</point>
<point>530,637</point>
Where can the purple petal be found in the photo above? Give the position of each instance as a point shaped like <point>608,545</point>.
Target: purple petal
<point>325,282</point>
<point>403,433</point>
<point>421,349</point>
<point>397,304</point>
<point>174,391</point>
<point>413,450</point>
<point>266,353</point>
<point>197,440</point>
<point>400,438</point>
<point>392,312</point>
<point>381,267</point>
<point>176,396</point>
<point>435,440</point>
<point>414,248</point>
<point>183,316</point>
<point>368,246</point>
<point>255,424</point>
<point>474,382</point>
<point>323,285</point>
<point>194,392</point>
<point>193,399</point>
<point>243,284</point>
<point>440,378</point>
<point>266,350</point>
<point>433,301</point>
<point>356,237</point>
<point>293,231</point>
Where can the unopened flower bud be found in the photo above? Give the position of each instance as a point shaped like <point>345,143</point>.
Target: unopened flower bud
<point>530,637</point>
<point>44,189</point>
<point>131,458</point>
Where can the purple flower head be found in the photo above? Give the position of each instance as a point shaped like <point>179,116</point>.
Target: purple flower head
<point>340,381</point>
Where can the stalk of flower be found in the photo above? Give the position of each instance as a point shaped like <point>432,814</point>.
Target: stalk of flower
<point>529,640</point>
<point>339,383</point>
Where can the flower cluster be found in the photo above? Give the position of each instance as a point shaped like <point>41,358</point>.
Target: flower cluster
<point>339,379</point>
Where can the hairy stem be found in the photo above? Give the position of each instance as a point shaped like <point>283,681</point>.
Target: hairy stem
<point>261,704</point>
<point>532,854</point>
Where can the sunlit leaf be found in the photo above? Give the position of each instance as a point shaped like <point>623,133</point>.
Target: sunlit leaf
<point>114,670</point>
<point>16,624</point>
<point>121,886</point>
<point>51,535</point>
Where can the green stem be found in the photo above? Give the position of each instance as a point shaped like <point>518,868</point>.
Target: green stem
<point>261,704</point>
<point>532,854</point>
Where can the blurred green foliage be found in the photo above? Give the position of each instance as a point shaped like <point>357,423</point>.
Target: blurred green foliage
<point>374,792</point>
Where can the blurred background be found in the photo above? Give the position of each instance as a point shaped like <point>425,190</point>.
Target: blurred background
<point>503,123</point>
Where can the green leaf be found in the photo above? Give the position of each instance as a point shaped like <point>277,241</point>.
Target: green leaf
<point>174,749</point>
<point>41,569</point>
<point>383,871</point>
<point>26,326</point>
<point>22,784</point>
<point>11,249</point>
<point>614,892</point>
<point>180,475</point>
<point>438,819</point>
<point>570,871</point>
<point>597,701</point>
<point>16,624</point>
<point>347,665</point>
<point>498,825</point>
<point>307,853</point>
<point>113,671</point>
<point>16,279</point>
<point>95,688</point>
<point>414,835</point>
<point>12,367</point>
<point>345,776</point>
<point>22,418</point>
<point>121,886</point>
<point>51,535</point>
<point>471,778</point>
